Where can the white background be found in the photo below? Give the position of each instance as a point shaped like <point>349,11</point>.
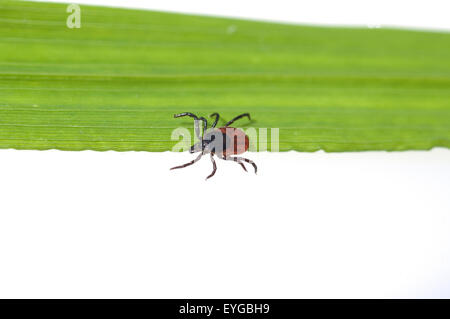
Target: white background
<point>107,224</point>
<point>429,14</point>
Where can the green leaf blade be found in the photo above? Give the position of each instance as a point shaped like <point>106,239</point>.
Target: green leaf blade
<point>115,83</point>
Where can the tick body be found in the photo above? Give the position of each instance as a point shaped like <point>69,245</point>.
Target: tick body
<point>222,142</point>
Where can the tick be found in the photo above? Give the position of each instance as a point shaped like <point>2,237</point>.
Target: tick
<point>222,142</point>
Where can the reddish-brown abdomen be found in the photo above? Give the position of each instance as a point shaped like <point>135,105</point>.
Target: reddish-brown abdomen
<point>239,141</point>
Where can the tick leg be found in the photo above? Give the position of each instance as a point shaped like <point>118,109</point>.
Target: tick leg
<point>196,119</point>
<point>205,125</point>
<point>188,164</point>
<point>238,159</point>
<point>237,118</point>
<point>216,120</point>
<point>214,166</point>
<point>235,159</point>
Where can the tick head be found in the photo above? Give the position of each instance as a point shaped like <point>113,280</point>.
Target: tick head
<point>204,146</point>
<point>212,142</point>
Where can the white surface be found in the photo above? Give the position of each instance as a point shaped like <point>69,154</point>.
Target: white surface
<point>92,224</point>
<point>430,14</point>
